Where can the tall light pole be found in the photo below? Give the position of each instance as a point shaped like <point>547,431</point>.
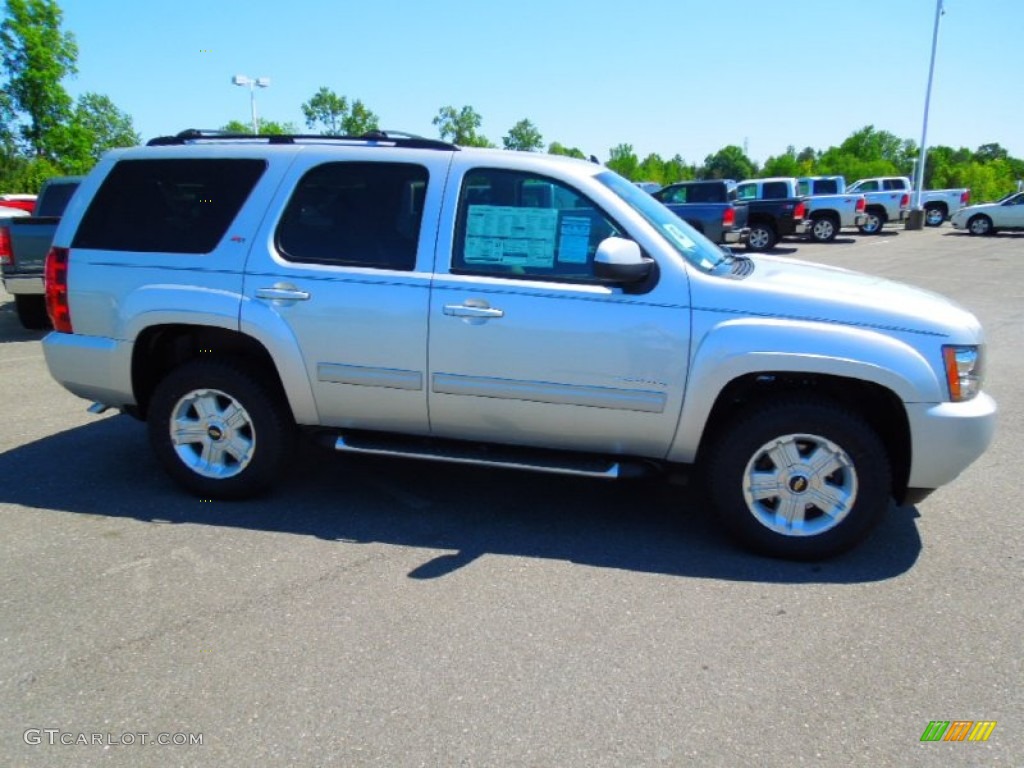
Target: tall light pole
<point>253,83</point>
<point>917,216</point>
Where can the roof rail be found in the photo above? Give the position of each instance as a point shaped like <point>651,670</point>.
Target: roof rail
<point>388,138</point>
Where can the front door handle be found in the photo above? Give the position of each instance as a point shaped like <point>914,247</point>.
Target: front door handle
<point>283,292</point>
<point>472,310</point>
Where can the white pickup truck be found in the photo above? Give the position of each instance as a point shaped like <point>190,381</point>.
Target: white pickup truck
<point>407,297</point>
<point>939,204</point>
<point>831,207</point>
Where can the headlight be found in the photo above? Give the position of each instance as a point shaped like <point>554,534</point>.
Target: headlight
<point>963,371</point>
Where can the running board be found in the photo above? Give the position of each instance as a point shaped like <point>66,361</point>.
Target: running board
<point>487,455</point>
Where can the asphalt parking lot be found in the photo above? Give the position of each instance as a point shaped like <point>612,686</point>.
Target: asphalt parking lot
<point>401,614</point>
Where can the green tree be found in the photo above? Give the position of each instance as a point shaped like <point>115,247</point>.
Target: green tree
<point>785,164</point>
<point>36,55</point>
<point>730,162</point>
<point>624,162</point>
<point>104,124</point>
<point>267,127</point>
<point>325,111</point>
<point>988,152</point>
<point>523,136</point>
<point>555,148</point>
<point>676,169</point>
<point>460,126</point>
<point>359,120</point>
<point>330,113</point>
<point>651,168</point>
<point>807,155</point>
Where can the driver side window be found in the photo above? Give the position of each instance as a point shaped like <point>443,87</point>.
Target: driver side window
<point>515,224</point>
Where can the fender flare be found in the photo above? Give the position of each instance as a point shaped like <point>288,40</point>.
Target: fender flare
<point>145,309</point>
<point>742,347</point>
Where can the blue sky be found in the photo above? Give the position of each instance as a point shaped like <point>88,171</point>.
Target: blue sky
<point>667,76</point>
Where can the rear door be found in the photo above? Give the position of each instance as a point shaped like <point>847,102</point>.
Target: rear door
<point>341,271</point>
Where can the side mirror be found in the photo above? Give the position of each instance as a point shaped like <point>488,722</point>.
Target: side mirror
<point>620,261</point>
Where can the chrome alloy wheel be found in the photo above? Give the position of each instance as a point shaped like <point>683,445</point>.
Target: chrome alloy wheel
<point>823,230</point>
<point>800,485</point>
<point>759,238</point>
<point>980,225</point>
<point>212,433</point>
<point>933,217</point>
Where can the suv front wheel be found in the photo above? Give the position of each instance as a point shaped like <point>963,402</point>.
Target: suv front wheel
<point>218,431</point>
<point>801,480</point>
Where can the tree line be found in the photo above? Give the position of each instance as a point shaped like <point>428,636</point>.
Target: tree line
<point>44,133</point>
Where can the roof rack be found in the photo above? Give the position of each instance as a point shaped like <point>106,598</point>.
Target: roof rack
<point>389,138</point>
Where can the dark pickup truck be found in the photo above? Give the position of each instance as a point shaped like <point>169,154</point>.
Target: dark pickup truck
<point>24,243</point>
<point>773,212</point>
<point>709,207</point>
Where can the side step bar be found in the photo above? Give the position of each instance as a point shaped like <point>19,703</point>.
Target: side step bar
<point>508,457</point>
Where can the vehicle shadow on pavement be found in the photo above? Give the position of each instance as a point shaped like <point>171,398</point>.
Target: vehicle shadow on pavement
<point>107,470</point>
<point>10,326</point>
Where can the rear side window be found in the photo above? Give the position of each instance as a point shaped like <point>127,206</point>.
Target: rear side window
<point>355,214</point>
<point>167,206</point>
<point>774,190</point>
<point>673,195</point>
<point>894,185</point>
<point>826,187</point>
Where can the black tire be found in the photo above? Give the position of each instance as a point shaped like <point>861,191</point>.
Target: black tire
<point>934,215</point>
<point>874,223</point>
<point>857,491</point>
<point>980,225</point>
<point>242,441</point>
<point>824,228</point>
<point>762,237</point>
<point>31,311</point>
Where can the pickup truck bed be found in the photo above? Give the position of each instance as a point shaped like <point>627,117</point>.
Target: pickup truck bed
<point>24,243</point>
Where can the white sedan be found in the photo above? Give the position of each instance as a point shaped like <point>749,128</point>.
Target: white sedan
<point>987,219</point>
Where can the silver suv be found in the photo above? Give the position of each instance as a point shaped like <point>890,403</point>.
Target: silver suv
<point>406,297</point>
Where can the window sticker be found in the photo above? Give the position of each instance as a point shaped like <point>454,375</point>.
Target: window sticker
<point>512,236</point>
<point>680,237</point>
<point>574,240</point>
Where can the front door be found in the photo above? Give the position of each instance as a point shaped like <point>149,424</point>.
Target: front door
<point>528,347</point>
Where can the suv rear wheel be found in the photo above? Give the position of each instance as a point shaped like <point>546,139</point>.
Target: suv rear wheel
<point>218,431</point>
<point>798,479</point>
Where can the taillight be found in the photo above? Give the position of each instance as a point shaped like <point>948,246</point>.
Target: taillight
<point>965,197</point>
<point>861,203</point>
<point>56,280</point>
<point>905,201</point>
<point>799,211</point>
<point>6,254</point>
<point>728,217</point>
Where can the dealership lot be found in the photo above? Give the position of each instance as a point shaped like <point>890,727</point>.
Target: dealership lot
<point>395,613</point>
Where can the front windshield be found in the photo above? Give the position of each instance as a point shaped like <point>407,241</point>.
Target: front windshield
<point>690,243</point>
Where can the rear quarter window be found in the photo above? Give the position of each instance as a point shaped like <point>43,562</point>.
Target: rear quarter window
<point>167,206</point>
